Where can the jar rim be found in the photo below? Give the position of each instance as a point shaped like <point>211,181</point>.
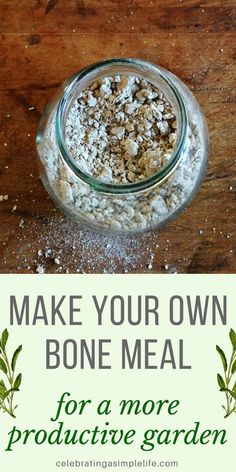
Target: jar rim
<point>139,186</point>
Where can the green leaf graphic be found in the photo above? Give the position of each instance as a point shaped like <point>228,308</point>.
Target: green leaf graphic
<point>11,390</point>
<point>11,383</point>
<point>2,383</point>
<point>2,391</point>
<point>15,357</point>
<point>3,366</point>
<point>232,336</point>
<point>17,381</point>
<point>4,339</point>
<point>233,368</point>
<point>221,382</point>
<point>227,383</point>
<point>234,387</point>
<point>223,357</point>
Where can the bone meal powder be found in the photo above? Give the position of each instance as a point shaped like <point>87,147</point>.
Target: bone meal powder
<point>121,130</point>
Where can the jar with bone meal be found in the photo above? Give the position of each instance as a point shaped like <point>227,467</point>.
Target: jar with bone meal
<point>123,146</point>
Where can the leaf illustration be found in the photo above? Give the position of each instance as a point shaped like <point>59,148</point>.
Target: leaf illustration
<point>15,357</point>
<point>17,381</point>
<point>223,357</point>
<point>4,339</point>
<point>2,391</point>
<point>232,336</point>
<point>3,366</point>
<point>234,388</point>
<point>227,383</point>
<point>2,383</point>
<point>221,382</point>
<point>233,368</point>
<point>10,385</point>
<point>10,391</point>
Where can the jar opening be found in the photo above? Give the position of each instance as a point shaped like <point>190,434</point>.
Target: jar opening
<point>130,67</point>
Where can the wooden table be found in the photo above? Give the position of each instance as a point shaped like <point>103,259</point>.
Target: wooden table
<point>42,43</point>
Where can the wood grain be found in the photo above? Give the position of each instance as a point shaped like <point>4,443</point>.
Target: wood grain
<point>42,43</point>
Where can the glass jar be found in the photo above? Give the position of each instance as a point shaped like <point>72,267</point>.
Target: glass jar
<point>132,207</point>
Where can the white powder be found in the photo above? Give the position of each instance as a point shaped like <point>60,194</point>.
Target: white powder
<point>106,152</point>
<point>121,129</point>
<point>92,252</point>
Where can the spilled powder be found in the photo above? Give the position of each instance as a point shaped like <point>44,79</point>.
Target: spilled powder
<point>53,244</point>
<point>91,252</point>
<point>61,246</point>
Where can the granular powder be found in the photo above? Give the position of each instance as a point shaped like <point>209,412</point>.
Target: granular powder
<point>60,240</point>
<point>120,130</point>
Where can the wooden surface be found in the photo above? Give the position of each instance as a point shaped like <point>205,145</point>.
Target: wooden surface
<point>42,43</point>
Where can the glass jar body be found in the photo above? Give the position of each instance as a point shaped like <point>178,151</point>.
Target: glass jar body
<point>139,210</point>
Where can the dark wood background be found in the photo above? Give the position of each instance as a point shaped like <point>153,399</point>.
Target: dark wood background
<point>42,43</point>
